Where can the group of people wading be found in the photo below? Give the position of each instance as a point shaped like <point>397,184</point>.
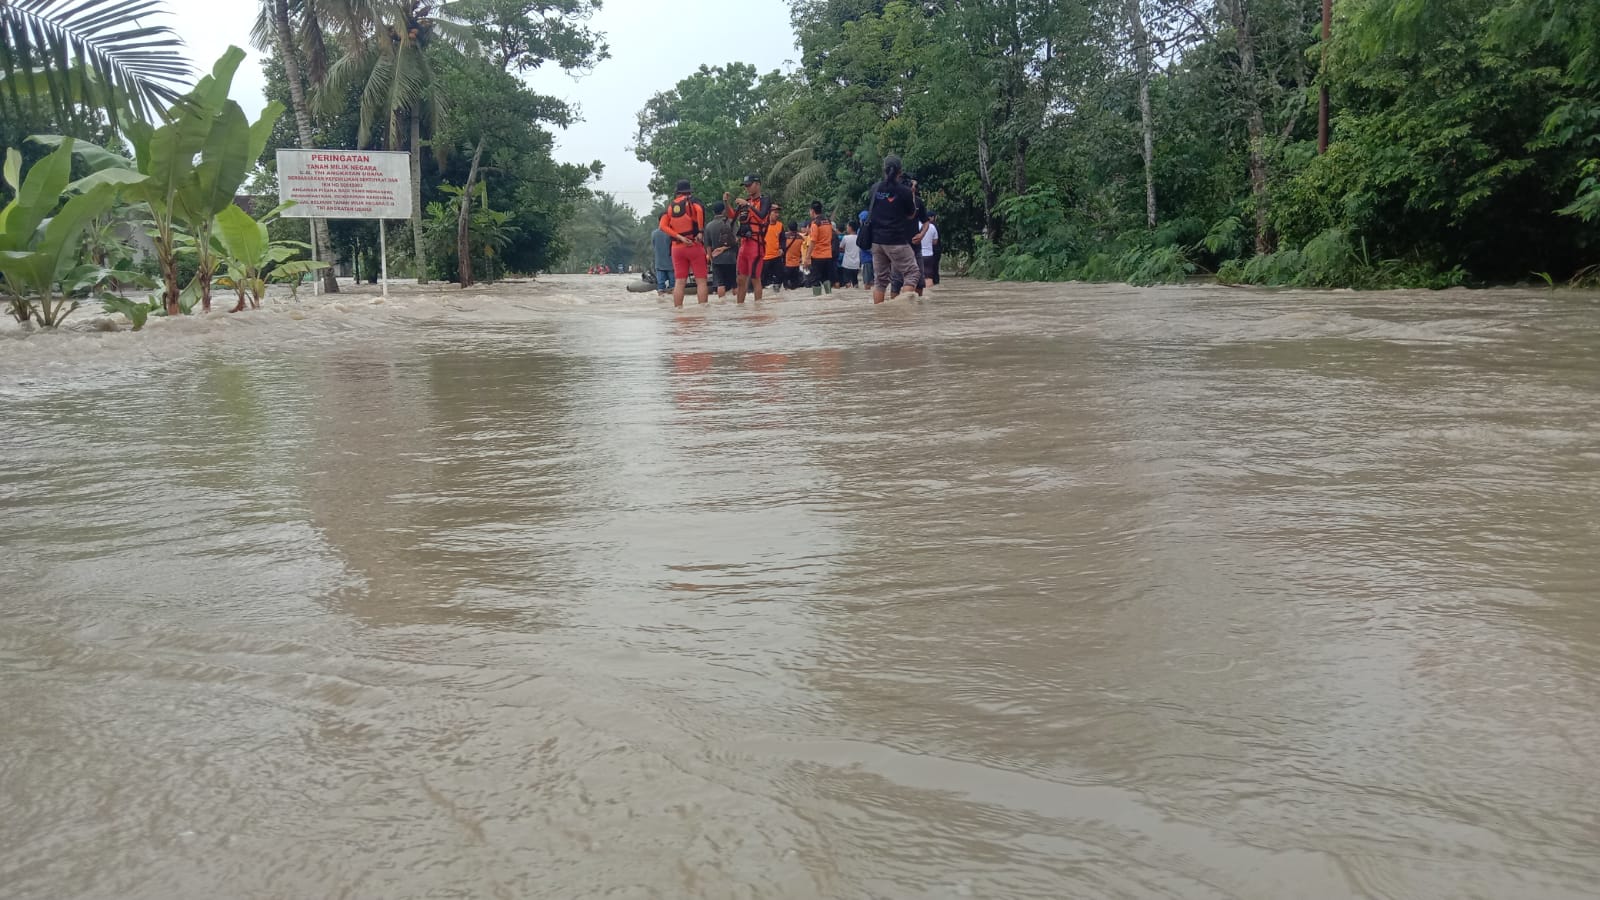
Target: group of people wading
<point>750,248</point>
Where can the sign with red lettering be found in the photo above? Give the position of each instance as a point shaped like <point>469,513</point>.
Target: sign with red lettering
<point>345,184</point>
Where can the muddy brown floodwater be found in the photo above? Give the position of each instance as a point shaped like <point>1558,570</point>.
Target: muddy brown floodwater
<point>1024,592</point>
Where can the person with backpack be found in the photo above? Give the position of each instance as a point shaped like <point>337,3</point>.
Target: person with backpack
<point>723,248</point>
<point>892,222</point>
<point>822,251</point>
<point>684,222</point>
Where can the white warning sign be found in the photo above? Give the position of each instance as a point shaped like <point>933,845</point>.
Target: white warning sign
<point>345,184</point>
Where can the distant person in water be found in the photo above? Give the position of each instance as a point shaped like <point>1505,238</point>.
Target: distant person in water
<point>849,258</point>
<point>754,215</point>
<point>930,252</point>
<point>867,277</point>
<point>685,223</point>
<point>822,249</point>
<point>794,256</point>
<point>775,250</point>
<point>661,243</point>
<point>918,284</point>
<point>723,248</point>
<point>893,216</point>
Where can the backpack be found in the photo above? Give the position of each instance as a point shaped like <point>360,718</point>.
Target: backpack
<point>685,216</point>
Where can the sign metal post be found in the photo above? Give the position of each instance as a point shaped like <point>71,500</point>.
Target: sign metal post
<point>383,258</point>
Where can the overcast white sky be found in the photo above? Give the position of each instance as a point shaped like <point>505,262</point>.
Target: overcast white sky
<point>653,44</point>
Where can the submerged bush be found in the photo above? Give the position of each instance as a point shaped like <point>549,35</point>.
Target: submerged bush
<point>1334,259</point>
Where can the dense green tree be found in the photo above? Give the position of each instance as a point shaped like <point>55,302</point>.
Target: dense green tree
<point>502,116</point>
<point>388,52</point>
<point>604,231</point>
<point>712,128</point>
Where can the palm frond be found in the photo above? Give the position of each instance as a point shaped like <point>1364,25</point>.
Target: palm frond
<point>97,53</point>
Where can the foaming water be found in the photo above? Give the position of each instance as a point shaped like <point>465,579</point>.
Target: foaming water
<point>1025,591</point>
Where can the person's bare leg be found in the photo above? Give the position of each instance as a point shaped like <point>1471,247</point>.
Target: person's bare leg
<point>677,292</point>
<point>703,290</point>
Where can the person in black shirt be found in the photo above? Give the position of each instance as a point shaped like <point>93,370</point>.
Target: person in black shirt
<point>893,217</point>
<point>917,226</point>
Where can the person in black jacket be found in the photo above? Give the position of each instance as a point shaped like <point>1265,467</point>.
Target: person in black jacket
<point>893,219</point>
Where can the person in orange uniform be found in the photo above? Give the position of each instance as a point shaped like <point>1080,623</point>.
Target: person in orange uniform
<point>772,264</point>
<point>794,255</point>
<point>753,212</point>
<point>683,221</point>
<point>821,251</point>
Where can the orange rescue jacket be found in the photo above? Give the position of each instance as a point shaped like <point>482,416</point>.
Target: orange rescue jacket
<point>685,217</point>
<point>822,238</point>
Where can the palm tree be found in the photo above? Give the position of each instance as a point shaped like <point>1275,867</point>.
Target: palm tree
<point>276,28</point>
<point>385,56</point>
<point>95,54</point>
<point>809,173</point>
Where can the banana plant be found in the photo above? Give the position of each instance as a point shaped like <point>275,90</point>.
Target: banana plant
<point>40,237</point>
<point>253,259</point>
<point>191,166</point>
<point>137,311</point>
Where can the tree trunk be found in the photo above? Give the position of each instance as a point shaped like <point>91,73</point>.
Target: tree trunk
<point>1255,122</point>
<point>169,274</point>
<point>204,276</point>
<point>284,38</point>
<point>991,228</point>
<point>1147,125</point>
<point>1322,78</point>
<point>464,221</point>
<point>416,198</point>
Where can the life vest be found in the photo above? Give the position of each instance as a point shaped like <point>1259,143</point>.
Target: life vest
<point>685,217</point>
<point>822,238</point>
<point>754,218</point>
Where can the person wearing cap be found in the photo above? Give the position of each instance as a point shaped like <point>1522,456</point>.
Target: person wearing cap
<point>773,270</point>
<point>894,223</point>
<point>753,212</point>
<point>794,256</point>
<point>822,250</point>
<point>684,222</point>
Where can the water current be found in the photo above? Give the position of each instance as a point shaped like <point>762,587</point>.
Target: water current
<point>1021,592</point>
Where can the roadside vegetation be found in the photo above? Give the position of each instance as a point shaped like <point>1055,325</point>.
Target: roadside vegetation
<point>1157,140</point>
<point>120,178</point>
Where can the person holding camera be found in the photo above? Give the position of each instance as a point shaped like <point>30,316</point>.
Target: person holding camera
<point>754,214</point>
<point>892,221</point>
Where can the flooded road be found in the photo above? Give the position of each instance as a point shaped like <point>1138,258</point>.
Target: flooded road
<point>1024,592</point>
